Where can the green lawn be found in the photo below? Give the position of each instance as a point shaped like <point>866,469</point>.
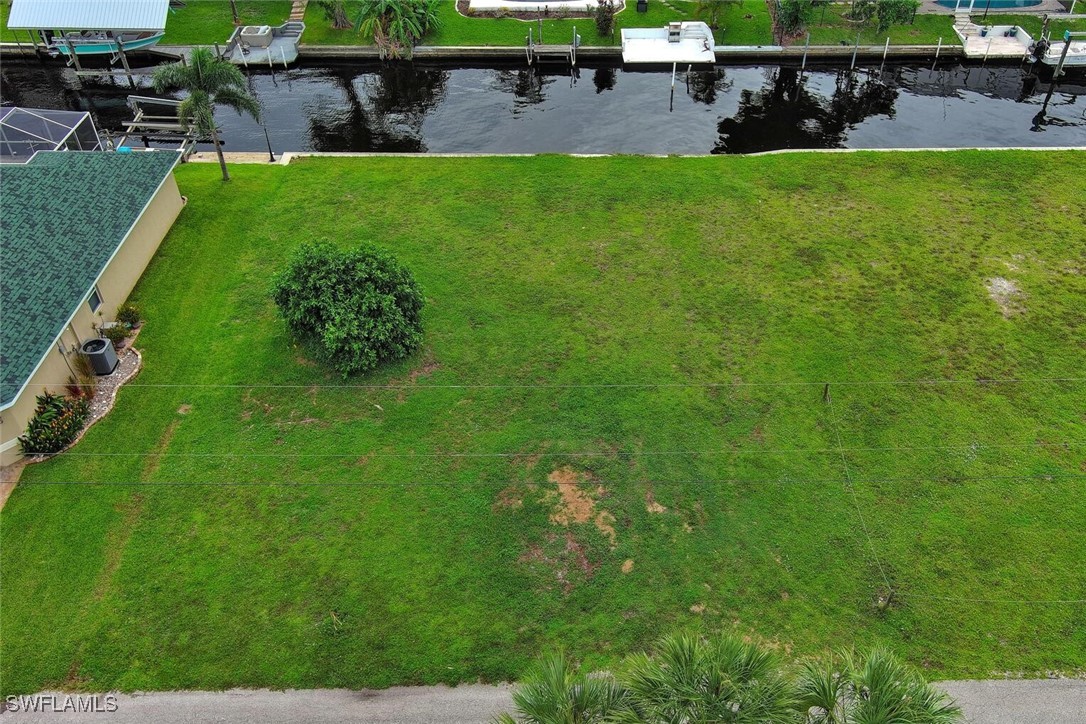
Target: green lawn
<point>659,328</point>
<point>9,36</point>
<point>834,29</point>
<point>745,24</point>
<point>204,22</point>
<point>1032,23</point>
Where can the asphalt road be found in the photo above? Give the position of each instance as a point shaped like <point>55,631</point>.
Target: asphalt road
<point>1049,701</point>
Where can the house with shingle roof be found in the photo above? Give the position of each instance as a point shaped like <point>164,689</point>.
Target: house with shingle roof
<point>77,229</point>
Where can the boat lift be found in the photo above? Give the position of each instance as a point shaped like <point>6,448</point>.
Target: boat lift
<point>539,52</point>
<point>73,29</point>
<point>157,120</point>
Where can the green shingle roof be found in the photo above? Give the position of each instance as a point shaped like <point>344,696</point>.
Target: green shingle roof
<point>62,215</point>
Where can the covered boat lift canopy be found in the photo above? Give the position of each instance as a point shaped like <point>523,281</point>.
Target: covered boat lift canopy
<point>116,15</point>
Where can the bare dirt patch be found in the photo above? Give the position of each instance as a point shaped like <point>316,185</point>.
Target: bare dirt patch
<point>184,409</point>
<point>1006,294</point>
<point>578,505</point>
<point>627,565</point>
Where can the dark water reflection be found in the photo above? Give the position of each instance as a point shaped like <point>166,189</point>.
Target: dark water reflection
<point>728,109</point>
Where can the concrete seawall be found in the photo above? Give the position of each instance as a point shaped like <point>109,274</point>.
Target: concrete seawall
<point>725,53</point>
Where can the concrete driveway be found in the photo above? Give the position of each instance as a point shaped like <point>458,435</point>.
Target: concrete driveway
<point>1060,701</point>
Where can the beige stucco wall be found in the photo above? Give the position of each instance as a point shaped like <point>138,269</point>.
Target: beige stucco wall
<point>114,285</point>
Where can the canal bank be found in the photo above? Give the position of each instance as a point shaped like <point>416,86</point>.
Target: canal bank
<point>601,107</point>
<point>469,53</point>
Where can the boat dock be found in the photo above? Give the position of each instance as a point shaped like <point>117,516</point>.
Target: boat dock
<point>689,43</point>
<point>264,45</point>
<point>1007,42</point>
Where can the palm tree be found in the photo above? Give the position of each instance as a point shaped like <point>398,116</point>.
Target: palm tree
<point>852,689</point>
<point>724,679</point>
<point>713,9</point>
<point>336,12</point>
<point>396,25</point>
<point>209,81</point>
<point>556,692</point>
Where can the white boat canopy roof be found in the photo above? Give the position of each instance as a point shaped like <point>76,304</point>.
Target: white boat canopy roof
<point>119,15</point>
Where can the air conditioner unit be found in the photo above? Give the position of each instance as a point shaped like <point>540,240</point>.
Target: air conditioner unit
<point>674,32</point>
<point>102,356</point>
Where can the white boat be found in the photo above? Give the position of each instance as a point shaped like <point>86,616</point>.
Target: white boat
<point>101,42</point>
<point>1076,54</point>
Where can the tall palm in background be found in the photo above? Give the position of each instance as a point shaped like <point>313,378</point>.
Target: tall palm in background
<point>852,689</point>
<point>396,25</point>
<point>209,81</point>
<point>336,12</point>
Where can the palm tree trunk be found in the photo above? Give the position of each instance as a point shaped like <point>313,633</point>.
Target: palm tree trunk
<point>218,150</point>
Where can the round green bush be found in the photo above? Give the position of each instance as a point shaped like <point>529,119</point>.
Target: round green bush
<point>354,309</point>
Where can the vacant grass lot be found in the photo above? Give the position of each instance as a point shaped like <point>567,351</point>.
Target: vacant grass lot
<point>833,28</point>
<point>747,23</point>
<point>657,331</point>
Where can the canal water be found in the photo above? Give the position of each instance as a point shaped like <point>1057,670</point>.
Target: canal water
<point>421,108</point>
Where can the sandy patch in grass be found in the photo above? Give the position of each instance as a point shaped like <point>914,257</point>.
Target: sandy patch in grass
<point>509,498</point>
<point>651,505</point>
<point>627,565</point>
<point>1006,294</point>
<point>578,505</point>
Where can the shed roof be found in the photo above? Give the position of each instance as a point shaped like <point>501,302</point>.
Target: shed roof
<point>62,217</point>
<point>127,15</point>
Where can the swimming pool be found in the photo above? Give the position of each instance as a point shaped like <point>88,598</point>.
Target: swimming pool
<point>980,5</point>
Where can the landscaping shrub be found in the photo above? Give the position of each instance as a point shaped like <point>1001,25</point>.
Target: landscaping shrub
<point>85,380</point>
<point>727,679</point>
<point>794,15</point>
<point>886,13</point>
<point>116,334</point>
<point>56,422</point>
<point>895,12</point>
<point>604,15</point>
<point>354,308</point>
<point>129,314</point>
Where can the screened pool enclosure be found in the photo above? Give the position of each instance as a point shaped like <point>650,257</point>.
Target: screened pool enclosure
<point>25,131</point>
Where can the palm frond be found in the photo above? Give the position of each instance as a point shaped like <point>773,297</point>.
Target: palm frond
<point>171,76</point>
<point>238,100</point>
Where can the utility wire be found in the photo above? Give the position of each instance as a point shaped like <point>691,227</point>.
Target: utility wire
<point>976,447</point>
<point>856,500</point>
<point>615,385</point>
<point>485,483</point>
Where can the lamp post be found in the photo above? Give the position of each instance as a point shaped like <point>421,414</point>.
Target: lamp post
<point>271,156</point>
